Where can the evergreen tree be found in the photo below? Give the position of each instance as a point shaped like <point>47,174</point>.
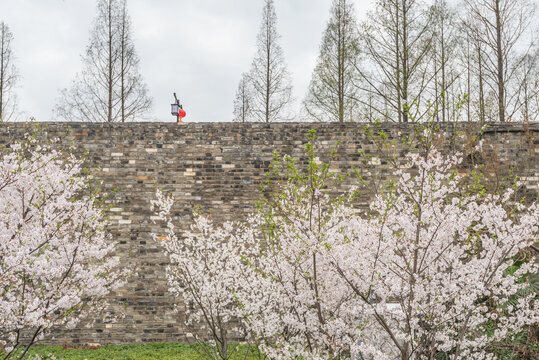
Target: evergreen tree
<point>271,82</point>
<point>332,94</point>
<point>8,75</point>
<point>110,88</point>
<point>243,102</point>
<point>396,43</point>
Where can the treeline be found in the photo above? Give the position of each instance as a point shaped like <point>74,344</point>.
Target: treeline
<point>110,87</point>
<point>409,61</point>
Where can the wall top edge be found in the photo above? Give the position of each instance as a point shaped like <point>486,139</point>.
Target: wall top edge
<point>534,126</point>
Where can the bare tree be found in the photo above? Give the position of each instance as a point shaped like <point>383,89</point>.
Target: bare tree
<point>444,62</point>
<point>110,88</point>
<point>332,94</point>
<point>466,63</point>
<point>272,85</point>
<point>8,75</point>
<point>478,106</point>
<point>499,25</point>
<point>527,87</point>
<point>396,43</point>
<point>243,101</point>
<point>134,97</point>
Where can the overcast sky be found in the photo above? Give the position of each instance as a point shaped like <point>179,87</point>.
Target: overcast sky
<point>197,48</point>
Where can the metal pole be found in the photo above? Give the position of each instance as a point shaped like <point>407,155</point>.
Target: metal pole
<point>179,105</point>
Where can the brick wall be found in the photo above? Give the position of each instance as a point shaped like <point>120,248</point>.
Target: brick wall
<point>215,166</point>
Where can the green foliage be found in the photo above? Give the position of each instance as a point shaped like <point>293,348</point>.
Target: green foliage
<point>152,351</point>
<point>303,178</point>
<point>333,91</point>
<point>313,172</point>
<point>484,174</point>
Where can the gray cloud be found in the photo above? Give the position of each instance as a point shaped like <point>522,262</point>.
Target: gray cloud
<point>197,48</point>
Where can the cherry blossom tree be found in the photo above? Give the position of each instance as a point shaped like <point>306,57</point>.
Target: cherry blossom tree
<point>204,269</point>
<point>435,268</point>
<point>258,273</point>
<point>56,265</point>
<point>302,309</point>
<point>434,264</point>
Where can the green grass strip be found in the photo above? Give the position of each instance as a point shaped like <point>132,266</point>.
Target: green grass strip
<point>153,351</point>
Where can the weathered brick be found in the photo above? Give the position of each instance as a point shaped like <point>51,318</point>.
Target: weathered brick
<point>218,167</point>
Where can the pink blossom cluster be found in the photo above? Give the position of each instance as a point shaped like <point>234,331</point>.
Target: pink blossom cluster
<point>427,270</point>
<point>207,266</point>
<point>55,255</point>
<point>442,256</point>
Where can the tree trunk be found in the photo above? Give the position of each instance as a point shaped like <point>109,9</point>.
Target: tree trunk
<point>404,63</point>
<point>481,85</point>
<point>268,65</point>
<point>469,79</point>
<point>436,90</point>
<point>2,68</point>
<point>444,90</point>
<point>499,53</point>
<point>340,60</point>
<point>110,82</point>
<point>123,63</point>
<point>398,67</point>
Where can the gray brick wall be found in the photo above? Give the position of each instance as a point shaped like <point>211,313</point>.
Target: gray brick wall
<point>215,166</point>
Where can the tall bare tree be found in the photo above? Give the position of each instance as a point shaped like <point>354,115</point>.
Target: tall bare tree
<point>444,55</point>
<point>479,104</point>
<point>332,94</point>
<point>396,43</point>
<point>110,88</point>
<point>8,75</point>
<point>243,101</point>
<point>271,82</point>
<point>499,25</point>
<point>526,92</point>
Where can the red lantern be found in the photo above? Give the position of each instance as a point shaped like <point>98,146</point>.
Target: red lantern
<point>182,113</point>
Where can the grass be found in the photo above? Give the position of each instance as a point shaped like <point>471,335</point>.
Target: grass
<point>182,351</point>
<point>153,351</point>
